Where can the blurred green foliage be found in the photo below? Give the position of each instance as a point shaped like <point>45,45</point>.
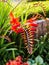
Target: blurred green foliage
<point>37,0</point>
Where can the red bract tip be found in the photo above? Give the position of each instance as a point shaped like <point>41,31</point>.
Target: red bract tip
<point>33,24</point>
<point>19,30</point>
<point>31,20</point>
<point>11,15</point>
<point>33,29</point>
<point>15,23</point>
<point>14,20</point>
<point>13,28</point>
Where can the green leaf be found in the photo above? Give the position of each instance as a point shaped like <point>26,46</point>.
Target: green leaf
<point>39,60</point>
<point>3,48</point>
<point>31,60</point>
<point>34,64</point>
<point>10,49</point>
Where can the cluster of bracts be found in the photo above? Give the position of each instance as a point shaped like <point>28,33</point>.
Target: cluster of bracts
<point>27,30</point>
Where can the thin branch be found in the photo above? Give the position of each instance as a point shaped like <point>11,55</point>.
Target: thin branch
<point>6,37</point>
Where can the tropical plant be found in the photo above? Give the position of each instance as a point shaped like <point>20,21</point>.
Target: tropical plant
<point>12,44</point>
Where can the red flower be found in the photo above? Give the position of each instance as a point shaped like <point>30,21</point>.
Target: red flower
<point>19,58</point>
<point>33,24</point>
<point>14,21</point>
<point>11,15</point>
<point>31,20</point>
<point>17,61</point>
<point>13,63</point>
<point>25,63</point>
<point>33,29</point>
<point>17,29</point>
<point>13,28</point>
<point>9,63</point>
<point>15,24</point>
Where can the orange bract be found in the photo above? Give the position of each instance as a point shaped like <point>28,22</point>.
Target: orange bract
<point>11,15</point>
<point>15,24</point>
<point>13,19</point>
<point>31,20</point>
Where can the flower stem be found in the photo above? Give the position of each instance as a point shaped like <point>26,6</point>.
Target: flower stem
<point>13,54</point>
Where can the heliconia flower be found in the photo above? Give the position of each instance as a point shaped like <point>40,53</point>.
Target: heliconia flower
<point>30,27</point>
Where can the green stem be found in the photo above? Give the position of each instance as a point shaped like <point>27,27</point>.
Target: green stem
<point>2,40</point>
<point>13,53</point>
<point>20,43</point>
